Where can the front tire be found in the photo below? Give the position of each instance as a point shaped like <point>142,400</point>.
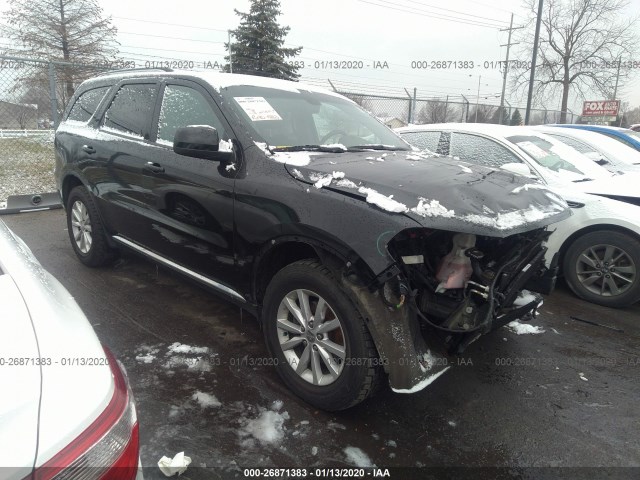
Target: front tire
<point>321,345</point>
<point>602,268</point>
<point>86,231</point>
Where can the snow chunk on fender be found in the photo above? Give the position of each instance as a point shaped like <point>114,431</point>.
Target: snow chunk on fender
<point>422,384</point>
<point>513,219</point>
<point>382,201</point>
<point>431,208</point>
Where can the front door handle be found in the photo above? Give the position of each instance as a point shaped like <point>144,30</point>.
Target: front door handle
<point>154,167</point>
<point>88,149</point>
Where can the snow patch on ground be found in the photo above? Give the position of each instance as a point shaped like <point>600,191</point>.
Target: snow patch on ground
<point>433,208</point>
<point>336,426</point>
<point>267,427</point>
<point>314,451</point>
<point>357,457</point>
<point>391,443</point>
<point>146,353</point>
<point>206,400</point>
<point>582,377</point>
<point>524,328</point>
<point>181,348</point>
<point>147,358</point>
<point>382,201</point>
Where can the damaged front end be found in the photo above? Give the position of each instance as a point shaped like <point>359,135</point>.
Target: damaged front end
<point>444,291</point>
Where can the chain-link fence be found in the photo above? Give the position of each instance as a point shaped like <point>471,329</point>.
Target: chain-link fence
<point>400,111</point>
<point>33,94</point>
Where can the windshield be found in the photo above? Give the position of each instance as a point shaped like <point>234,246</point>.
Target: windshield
<point>300,118</point>
<point>562,160</point>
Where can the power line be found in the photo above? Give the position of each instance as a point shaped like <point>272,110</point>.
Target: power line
<point>455,11</point>
<point>404,8</point>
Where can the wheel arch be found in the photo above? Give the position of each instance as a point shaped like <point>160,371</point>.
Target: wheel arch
<point>284,250</point>
<point>69,182</point>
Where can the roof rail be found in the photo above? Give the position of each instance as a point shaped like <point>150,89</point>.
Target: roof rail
<point>126,70</point>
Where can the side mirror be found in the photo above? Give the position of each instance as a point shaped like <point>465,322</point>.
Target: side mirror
<point>199,142</point>
<point>519,168</point>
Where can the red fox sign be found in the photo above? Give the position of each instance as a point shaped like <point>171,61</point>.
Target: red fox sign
<point>600,108</point>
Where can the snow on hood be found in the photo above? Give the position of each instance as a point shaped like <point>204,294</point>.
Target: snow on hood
<point>438,193</point>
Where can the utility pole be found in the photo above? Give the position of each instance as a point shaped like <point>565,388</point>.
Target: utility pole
<point>615,90</point>
<point>230,52</point>
<point>506,67</point>
<point>534,59</point>
<point>477,99</point>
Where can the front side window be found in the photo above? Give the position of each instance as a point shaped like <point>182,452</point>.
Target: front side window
<point>480,150</point>
<point>423,140</point>
<point>181,107</point>
<point>131,110</point>
<point>87,104</point>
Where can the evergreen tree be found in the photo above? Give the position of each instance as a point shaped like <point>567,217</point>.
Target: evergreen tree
<point>516,118</point>
<point>258,48</point>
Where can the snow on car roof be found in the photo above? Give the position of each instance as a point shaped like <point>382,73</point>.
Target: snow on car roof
<point>220,80</point>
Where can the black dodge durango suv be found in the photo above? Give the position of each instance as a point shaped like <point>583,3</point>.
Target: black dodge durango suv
<point>362,257</point>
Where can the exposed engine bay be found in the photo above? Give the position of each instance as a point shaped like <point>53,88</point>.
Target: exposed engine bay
<point>463,285</point>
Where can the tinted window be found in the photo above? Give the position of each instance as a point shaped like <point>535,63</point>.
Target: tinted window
<point>480,150</point>
<point>87,104</point>
<point>573,143</point>
<point>425,140</point>
<point>181,107</point>
<point>131,109</point>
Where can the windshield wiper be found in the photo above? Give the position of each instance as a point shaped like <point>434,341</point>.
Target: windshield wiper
<point>308,148</point>
<point>585,179</point>
<point>377,146</point>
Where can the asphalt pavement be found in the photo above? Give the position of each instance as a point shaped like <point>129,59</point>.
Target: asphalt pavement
<point>566,397</point>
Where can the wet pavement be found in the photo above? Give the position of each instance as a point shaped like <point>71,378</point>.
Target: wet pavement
<point>568,397</point>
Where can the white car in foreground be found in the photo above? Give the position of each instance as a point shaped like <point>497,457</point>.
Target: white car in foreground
<point>598,247</point>
<point>66,409</point>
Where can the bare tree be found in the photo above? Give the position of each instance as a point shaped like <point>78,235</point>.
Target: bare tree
<point>72,31</point>
<point>582,44</point>
<point>437,111</point>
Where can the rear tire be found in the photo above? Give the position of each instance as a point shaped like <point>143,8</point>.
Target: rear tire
<point>603,268</point>
<point>86,231</point>
<point>323,353</point>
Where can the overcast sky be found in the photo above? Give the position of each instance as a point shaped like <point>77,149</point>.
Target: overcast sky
<point>401,32</point>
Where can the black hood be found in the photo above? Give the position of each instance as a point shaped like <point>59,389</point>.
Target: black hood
<point>437,192</point>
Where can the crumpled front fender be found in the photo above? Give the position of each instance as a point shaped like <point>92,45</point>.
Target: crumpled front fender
<point>411,363</point>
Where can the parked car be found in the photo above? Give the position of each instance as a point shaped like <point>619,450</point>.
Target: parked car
<point>66,401</point>
<point>635,127</point>
<point>599,246</point>
<point>607,152</point>
<point>297,205</point>
<point>623,135</point>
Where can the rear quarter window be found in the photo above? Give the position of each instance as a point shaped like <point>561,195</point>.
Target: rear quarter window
<point>131,110</point>
<point>87,104</point>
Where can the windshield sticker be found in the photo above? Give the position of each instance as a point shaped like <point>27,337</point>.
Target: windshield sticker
<point>532,149</point>
<point>257,108</point>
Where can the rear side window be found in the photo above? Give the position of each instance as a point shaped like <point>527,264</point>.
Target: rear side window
<point>480,150</point>
<point>181,107</point>
<point>424,140</point>
<point>87,104</point>
<point>131,110</point>
<point>624,141</point>
<point>573,143</point>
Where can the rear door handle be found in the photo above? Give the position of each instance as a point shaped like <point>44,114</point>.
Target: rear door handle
<point>154,167</point>
<point>88,149</point>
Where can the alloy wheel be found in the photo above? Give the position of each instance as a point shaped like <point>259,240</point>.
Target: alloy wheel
<point>81,226</point>
<point>606,270</point>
